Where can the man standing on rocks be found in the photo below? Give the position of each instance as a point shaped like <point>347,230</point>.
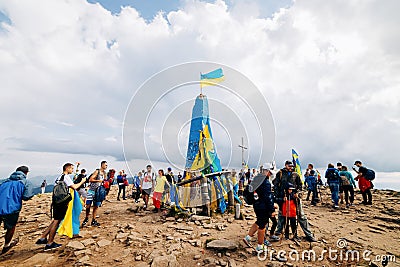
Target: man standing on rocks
<point>59,210</point>
<point>263,208</point>
<point>283,178</point>
<point>12,191</point>
<point>95,181</point>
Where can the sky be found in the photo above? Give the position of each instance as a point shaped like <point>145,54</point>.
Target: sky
<point>69,69</point>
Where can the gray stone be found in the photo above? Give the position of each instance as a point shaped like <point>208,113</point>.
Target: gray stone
<point>197,257</point>
<point>103,243</point>
<point>232,263</point>
<point>199,218</point>
<point>121,235</point>
<point>75,245</point>
<point>165,261</point>
<point>222,244</point>
<point>88,242</point>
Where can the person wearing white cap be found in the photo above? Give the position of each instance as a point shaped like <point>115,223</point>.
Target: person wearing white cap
<point>263,208</point>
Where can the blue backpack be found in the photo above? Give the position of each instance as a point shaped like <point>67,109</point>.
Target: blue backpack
<point>370,175</point>
<point>100,194</point>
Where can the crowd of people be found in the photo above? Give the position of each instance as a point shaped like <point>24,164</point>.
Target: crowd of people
<point>278,196</point>
<point>282,196</point>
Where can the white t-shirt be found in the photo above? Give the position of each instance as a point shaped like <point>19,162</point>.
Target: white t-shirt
<point>67,180</point>
<point>148,180</point>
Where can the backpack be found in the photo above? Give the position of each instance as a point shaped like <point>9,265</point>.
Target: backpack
<point>61,193</point>
<point>100,194</point>
<point>248,196</point>
<point>345,181</point>
<point>370,175</point>
<point>332,175</point>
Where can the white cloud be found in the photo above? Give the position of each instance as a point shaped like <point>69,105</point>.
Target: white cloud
<point>330,73</point>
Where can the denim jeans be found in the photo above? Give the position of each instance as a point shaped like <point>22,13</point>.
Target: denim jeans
<point>335,192</point>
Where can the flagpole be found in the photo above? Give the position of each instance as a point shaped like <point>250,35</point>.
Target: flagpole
<point>201,88</point>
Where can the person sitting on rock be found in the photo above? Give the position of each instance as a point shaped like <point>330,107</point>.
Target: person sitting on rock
<point>12,191</point>
<point>263,208</point>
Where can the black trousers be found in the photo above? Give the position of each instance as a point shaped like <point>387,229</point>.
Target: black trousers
<point>292,223</point>
<point>273,226</point>
<point>348,193</point>
<point>367,196</point>
<point>121,188</point>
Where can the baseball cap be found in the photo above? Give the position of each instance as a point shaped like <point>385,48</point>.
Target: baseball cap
<point>288,162</point>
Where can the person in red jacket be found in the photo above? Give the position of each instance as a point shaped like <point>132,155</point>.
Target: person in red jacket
<point>289,211</point>
<point>364,184</point>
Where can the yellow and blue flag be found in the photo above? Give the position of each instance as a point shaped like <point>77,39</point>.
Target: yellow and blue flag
<point>211,78</point>
<point>296,163</point>
<point>70,225</point>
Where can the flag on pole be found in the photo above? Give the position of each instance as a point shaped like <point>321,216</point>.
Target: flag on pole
<point>211,78</point>
<point>296,163</point>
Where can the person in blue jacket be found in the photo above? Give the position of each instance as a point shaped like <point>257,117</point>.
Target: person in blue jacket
<point>263,208</point>
<point>334,182</point>
<point>12,191</point>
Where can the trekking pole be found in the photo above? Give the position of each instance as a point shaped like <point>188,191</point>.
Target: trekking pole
<point>286,220</point>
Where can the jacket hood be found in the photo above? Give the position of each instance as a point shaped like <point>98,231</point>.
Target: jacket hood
<point>17,176</point>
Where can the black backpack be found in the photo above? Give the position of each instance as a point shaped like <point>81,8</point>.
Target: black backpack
<point>332,175</point>
<point>248,196</point>
<point>370,175</point>
<point>61,193</point>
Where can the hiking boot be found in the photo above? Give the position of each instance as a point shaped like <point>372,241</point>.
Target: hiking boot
<point>247,241</point>
<point>52,246</point>
<point>85,221</point>
<point>118,199</point>
<point>261,248</point>
<point>296,238</point>
<point>267,243</point>
<point>335,206</point>
<point>12,244</point>
<point>41,241</point>
<point>274,238</point>
<point>311,239</point>
<point>95,223</point>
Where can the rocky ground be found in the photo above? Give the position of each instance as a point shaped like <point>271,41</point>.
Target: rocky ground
<point>128,237</point>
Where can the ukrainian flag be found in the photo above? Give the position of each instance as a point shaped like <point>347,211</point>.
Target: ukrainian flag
<point>211,78</point>
<point>296,162</point>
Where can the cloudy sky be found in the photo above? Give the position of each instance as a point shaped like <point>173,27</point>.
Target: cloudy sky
<point>68,69</point>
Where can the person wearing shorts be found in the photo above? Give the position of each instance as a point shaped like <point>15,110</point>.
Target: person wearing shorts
<point>59,210</point>
<point>147,185</point>
<point>263,208</point>
<point>12,191</point>
<point>95,181</point>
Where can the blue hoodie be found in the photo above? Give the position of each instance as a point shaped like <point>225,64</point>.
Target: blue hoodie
<point>12,191</point>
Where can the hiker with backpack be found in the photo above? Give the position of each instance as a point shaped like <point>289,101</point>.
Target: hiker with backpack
<point>12,191</point>
<point>310,180</point>
<point>260,193</point>
<point>348,185</point>
<point>334,181</point>
<point>364,178</point>
<point>60,200</point>
<point>95,194</point>
<point>282,179</point>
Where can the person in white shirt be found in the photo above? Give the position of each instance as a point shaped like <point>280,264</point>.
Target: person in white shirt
<point>147,185</point>
<point>59,210</point>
